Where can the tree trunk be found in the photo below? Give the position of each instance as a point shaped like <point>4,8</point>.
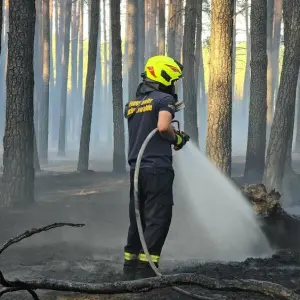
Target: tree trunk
<point>199,77</point>
<point>44,101</point>
<point>118,118</point>
<point>276,46</point>
<point>179,30</point>
<point>55,105</point>
<point>270,19</point>
<point>146,26</point>
<point>162,29</point>
<point>246,91</point>
<point>80,55</point>
<point>1,21</point>
<point>3,65</point>
<point>198,51</point>
<point>189,87</point>
<point>218,142</point>
<point>152,37</point>
<point>36,163</point>
<point>141,33</point>
<point>172,28</point>
<point>74,96</point>
<point>256,146</point>
<point>18,171</point>
<point>234,50</point>
<point>133,63</point>
<point>297,141</point>
<point>283,122</point>
<point>64,82</point>
<point>83,161</point>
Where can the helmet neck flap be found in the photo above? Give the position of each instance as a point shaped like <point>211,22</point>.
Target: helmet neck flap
<point>148,86</point>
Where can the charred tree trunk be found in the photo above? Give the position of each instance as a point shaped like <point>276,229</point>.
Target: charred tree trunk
<point>18,171</point>
<point>44,101</point>
<point>189,87</point>
<point>118,119</point>
<point>162,29</point>
<point>256,146</point>
<point>218,142</point>
<point>133,63</point>
<point>84,150</point>
<point>64,82</point>
<point>283,122</point>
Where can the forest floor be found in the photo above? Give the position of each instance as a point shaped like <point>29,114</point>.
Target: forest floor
<point>94,253</point>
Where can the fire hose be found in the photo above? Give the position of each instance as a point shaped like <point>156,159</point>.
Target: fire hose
<point>138,214</point>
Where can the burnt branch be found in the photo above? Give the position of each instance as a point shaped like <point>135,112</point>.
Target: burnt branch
<point>137,286</point>
<point>33,231</point>
<point>263,287</point>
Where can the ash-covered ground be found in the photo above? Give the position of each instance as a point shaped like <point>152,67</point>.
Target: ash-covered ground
<point>94,253</point>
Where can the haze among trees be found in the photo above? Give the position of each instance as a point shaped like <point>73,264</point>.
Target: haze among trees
<point>67,71</point>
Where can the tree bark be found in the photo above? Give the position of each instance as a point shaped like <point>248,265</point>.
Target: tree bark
<point>133,63</point>
<point>218,141</point>
<point>162,29</point>
<point>84,150</point>
<point>118,118</point>
<point>189,87</point>
<point>64,82</point>
<point>283,122</point>
<point>44,101</point>
<point>256,146</point>
<point>18,171</point>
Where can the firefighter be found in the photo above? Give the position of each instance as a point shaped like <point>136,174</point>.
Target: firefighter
<point>154,107</point>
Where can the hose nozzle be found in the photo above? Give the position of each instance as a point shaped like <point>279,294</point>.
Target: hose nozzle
<point>179,106</point>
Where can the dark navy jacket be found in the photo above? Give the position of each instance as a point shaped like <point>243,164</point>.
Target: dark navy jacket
<point>158,153</point>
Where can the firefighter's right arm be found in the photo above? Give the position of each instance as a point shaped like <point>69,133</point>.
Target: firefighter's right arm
<point>164,125</point>
<point>166,112</point>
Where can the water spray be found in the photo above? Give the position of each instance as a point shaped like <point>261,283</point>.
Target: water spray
<point>179,106</point>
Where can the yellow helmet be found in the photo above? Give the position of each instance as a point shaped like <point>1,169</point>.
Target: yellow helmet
<point>163,69</point>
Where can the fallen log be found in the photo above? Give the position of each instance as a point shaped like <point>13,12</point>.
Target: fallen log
<point>263,287</point>
<point>142,285</point>
<point>281,228</point>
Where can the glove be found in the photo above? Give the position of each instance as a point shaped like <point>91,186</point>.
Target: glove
<point>181,138</point>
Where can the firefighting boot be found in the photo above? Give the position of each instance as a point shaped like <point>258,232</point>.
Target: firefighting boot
<point>144,270</point>
<point>129,270</point>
